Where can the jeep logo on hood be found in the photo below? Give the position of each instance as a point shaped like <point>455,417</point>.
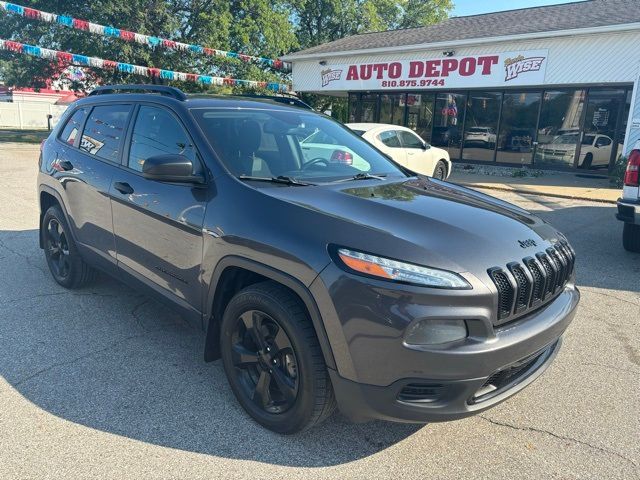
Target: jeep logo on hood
<point>529,242</point>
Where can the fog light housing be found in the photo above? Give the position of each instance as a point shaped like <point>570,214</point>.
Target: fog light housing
<point>435,332</point>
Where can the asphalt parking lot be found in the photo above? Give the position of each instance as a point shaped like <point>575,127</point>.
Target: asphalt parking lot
<point>103,382</point>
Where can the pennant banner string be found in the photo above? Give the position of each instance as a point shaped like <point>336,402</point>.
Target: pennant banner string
<point>138,37</point>
<point>69,58</point>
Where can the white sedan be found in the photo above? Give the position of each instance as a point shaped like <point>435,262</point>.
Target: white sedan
<point>406,148</point>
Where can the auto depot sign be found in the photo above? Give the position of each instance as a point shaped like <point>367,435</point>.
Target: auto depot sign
<point>473,71</point>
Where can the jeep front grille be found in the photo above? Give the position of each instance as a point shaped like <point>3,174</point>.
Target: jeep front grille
<point>525,285</point>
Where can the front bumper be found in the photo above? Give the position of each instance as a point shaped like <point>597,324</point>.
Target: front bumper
<point>378,372</point>
<point>447,400</point>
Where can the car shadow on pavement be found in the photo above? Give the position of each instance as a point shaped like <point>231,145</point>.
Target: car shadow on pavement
<point>111,359</point>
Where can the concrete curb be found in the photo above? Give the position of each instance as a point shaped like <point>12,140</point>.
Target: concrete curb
<point>540,194</point>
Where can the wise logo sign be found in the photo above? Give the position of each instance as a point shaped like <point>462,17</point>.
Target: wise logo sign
<point>515,66</point>
<point>329,76</point>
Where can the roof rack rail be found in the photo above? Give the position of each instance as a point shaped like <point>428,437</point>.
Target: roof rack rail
<point>161,89</point>
<point>287,100</point>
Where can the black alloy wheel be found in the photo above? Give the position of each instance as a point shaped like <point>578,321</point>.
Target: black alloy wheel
<point>265,362</point>
<point>273,360</point>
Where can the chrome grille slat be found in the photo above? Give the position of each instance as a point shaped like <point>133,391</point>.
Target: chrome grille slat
<point>525,285</point>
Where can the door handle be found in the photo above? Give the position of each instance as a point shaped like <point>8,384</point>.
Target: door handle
<point>123,187</point>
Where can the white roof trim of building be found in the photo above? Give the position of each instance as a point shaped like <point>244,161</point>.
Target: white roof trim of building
<point>471,41</point>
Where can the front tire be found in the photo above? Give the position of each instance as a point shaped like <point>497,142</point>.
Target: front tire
<point>631,237</point>
<point>440,172</point>
<point>273,360</point>
<point>65,263</point>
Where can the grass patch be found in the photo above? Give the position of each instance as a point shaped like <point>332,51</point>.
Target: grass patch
<point>23,136</point>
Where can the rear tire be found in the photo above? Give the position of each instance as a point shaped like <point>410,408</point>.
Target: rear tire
<point>65,263</point>
<point>440,172</point>
<point>273,360</point>
<point>631,237</point>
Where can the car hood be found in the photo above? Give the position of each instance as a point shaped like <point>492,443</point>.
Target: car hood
<point>565,147</point>
<point>422,220</point>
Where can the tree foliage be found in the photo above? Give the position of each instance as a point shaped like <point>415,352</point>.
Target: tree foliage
<point>257,27</point>
<point>323,21</point>
<point>251,26</point>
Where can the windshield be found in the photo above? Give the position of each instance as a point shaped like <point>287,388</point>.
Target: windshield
<point>301,145</point>
<point>566,139</point>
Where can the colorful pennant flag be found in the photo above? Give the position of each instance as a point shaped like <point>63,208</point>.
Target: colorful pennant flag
<point>137,37</point>
<point>17,47</point>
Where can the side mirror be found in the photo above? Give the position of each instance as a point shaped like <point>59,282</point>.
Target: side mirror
<point>170,168</point>
<point>426,146</point>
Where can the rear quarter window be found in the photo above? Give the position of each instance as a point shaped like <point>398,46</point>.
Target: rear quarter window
<point>70,131</point>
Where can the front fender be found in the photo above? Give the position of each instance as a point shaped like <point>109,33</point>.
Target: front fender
<point>212,323</point>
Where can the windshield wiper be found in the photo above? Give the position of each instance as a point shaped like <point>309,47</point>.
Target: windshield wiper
<point>363,176</point>
<point>279,179</point>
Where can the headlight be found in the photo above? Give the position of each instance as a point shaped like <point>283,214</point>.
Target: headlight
<point>399,271</point>
<point>434,332</point>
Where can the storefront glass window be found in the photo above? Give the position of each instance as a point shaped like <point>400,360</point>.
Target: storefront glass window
<point>353,107</point>
<point>481,126</point>
<point>448,120</point>
<point>518,127</point>
<point>369,107</point>
<point>392,108</point>
<point>559,128</point>
<point>420,117</point>
<point>600,121</point>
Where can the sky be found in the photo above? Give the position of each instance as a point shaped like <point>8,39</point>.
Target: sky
<point>473,7</point>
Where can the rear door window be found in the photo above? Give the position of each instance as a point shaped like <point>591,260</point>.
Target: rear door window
<point>157,132</point>
<point>390,139</point>
<point>73,126</point>
<point>104,132</point>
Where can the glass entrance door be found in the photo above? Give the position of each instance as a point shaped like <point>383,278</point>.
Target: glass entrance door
<point>518,127</point>
<point>420,118</point>
<point>598,142</point>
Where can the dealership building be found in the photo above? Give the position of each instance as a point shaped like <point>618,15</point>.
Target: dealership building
<point>546,87</point>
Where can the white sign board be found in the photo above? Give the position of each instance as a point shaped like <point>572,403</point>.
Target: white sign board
<point>477,71</point>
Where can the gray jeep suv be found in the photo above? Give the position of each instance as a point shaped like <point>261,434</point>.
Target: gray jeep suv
<point>341,279</point>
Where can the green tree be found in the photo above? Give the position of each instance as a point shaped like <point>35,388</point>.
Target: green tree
<point>323,21</point>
